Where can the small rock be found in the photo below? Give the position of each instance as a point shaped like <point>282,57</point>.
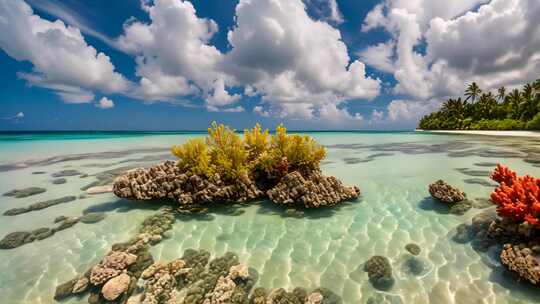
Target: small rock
<point>20,193</point>
<point>70,221</point>
<point>60,218</point>
<point>16,239</point>
<point>115,287</point>
<point>413,248</point>
<point>66,173</point>
<point>64,290</point>
<point>92,217</point>
<point>379,272</point>
<point>43,233</point>
<point>59,181</point>
<point>81,285</point>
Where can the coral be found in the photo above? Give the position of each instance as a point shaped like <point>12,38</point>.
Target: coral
<point>313,191</point>
<point>521,260</point>
<point>517,198</point>
<point>446,193</point>
<point>379,272</point>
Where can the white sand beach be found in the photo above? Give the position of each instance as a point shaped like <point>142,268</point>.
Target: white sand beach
<point>485,132</point>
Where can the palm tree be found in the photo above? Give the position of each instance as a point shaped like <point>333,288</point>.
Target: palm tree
<point>502,93</point>
<point>527,106</point>
<point>514,99</point>
<point>473,91</point>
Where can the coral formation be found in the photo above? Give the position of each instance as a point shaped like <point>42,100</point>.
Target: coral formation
<point>446,193</point>
<point>379,272</point>
<point>517,198</point>
<point>228,168</point>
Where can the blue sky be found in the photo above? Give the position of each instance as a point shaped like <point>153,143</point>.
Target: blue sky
<point>312,64</point>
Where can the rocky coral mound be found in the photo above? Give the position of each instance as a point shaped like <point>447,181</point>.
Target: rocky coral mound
<point>115,276</point>
<point>445,193</point>
<point>314,191</point>
<point>166,181</point>
<point>522,260</point>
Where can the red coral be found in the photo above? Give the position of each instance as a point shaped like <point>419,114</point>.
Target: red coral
<point>517,197</point>
<point>503,174</point>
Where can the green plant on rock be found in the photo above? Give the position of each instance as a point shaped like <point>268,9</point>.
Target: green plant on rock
<point>269,156</point>
<point>194,157</point>
<point>227,151</point>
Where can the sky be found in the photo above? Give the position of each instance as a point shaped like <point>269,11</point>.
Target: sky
<point>310,64</point>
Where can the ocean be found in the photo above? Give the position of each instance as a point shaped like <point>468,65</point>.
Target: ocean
<point>314,248</point>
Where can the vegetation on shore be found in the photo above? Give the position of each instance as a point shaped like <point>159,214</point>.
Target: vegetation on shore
<point>479,110</point>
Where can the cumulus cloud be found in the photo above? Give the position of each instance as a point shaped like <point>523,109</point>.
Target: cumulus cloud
<point>379,56</point>
<point>497,44</point>
<point>61,58</point>
<point>411,110</point>
<point>105,103</point>
<point>295,63</point>
<point>173,54</point>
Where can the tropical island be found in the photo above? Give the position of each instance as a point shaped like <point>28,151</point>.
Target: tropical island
<point>518,109</point>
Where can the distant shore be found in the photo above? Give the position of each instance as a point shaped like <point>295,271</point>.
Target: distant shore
<point>486,132</point>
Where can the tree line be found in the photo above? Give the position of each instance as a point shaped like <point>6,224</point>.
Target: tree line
<point>517,109</point>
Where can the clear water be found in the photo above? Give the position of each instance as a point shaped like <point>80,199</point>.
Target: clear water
<point>324,248</point>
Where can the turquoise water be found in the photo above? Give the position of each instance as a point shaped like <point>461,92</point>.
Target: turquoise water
<point>323,248</point>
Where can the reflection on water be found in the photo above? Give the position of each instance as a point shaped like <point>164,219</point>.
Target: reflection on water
<point>287,247</point>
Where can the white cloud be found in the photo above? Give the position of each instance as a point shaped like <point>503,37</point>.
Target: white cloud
<point>379,56</point>
<point>174,56</point>
<point>19,115</point>
<point>495,45</point>
<point>105,103</point>
<point>61,58</point>
<point>410,111</point>
<point>15,118</point>
<point>295,63</point>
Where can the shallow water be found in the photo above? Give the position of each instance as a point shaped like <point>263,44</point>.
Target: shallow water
<point>323,248</point>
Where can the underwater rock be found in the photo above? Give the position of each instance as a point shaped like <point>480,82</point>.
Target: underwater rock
<point>92,217</point>
<point>414,266</point>
<point>461,207</point>
<point>161,281</point>
<point>59,181</point>
<point>40,205</point>
<point>521,260</point>
<point>81,285</point>
<point>446,193</point>
<point>64,290</point>
<point>42,233</point>
<point>413,248</point>
<point>16,239</point>
<point>20,193</point>
<point>313,191</point>
<point>115,287</point>
<point>67,223</point>
<point>111,266</point>
<point>60,218</point>
<point>64,173</point>
<point>39,172</point>
<point>379,272</point>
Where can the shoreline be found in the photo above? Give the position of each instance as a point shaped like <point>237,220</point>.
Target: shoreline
<point>533,134</point>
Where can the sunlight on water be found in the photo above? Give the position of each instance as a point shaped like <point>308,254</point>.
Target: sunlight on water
<point>323,248</point>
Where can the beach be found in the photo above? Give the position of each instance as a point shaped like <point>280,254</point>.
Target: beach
<point>534,134</point>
